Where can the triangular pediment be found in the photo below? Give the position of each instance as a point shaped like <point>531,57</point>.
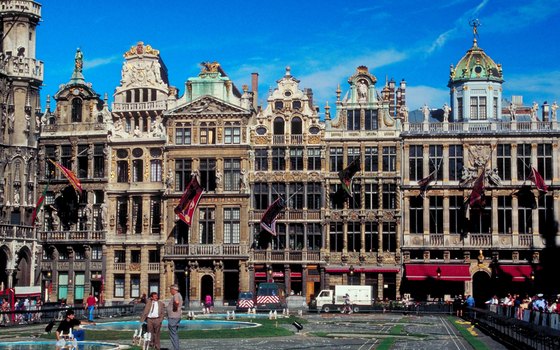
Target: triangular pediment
<point>207,105</point>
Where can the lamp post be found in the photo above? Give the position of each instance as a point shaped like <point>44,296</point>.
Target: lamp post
<point>269,270</point>
<point>438,272</point>
<point>351,270</point>
<point>186,288</point>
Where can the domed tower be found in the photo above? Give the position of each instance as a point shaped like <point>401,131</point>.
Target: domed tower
<point>476,85</point>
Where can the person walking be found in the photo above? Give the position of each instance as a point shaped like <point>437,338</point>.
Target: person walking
<point>173,309</point>
<point>153,315</point>
<point>91,301</point>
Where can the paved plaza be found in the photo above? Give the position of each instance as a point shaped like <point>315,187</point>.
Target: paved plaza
<point>336,331</point>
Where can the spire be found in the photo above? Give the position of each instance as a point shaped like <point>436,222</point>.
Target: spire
<point>77,76</point>
<point>475,23</point>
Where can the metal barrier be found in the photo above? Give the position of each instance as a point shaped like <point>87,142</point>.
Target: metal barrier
<point>501,323</point>
<point>47,314</point>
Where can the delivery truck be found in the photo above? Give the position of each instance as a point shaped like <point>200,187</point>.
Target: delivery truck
<point>330,300</point>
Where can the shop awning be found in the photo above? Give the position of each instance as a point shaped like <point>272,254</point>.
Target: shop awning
<point>517,273</point>
<point>362,269</point>
<point>447,272</point>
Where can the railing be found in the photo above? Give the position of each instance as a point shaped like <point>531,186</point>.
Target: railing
<point>296,139</point>
<point>71,236</point>
<point>480,240</point>
<point>290,214</point>
<point>526,240</point>
<point>479,127</point>
<point>153,267</point>
<point>285,256</point>
<point>278,139</point>
<point>120,267</point>
<point>22,67</point>
<point>139,106</point>
<point>436,240</point>
<point>20,6</point>
<point>16,232</point>
<point>182,250</point>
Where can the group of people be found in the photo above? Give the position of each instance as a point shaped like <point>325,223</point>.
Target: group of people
<point>537,302</point>
<point>23,304</point>
<point>460,303</point>
<point>154,313</point>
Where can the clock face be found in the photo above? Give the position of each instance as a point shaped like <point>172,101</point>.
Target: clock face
<point>76,91</point>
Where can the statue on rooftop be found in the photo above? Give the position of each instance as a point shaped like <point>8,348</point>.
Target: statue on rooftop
<point>362,91</point>
<point>446,110</point>
<point>426,112</point>
<point>554,107</point>
<point>78,60</point>
<point>534,110</point>
<point>512,107</point>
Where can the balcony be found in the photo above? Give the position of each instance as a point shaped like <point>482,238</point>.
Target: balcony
<point>139,106</point>
<point>289,214</point>
<point>72,236</point>
<point>16,232</point>
<point>22,67</point>
<point>285,256</point>
<point>206,251</point>
<point>479,127</point>
<point>473,241</point>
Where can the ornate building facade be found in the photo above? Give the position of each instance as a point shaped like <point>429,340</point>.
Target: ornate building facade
<point>21,76</point>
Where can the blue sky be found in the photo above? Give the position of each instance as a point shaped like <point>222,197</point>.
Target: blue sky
<point>322,41</point>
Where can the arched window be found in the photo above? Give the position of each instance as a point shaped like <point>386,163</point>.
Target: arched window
<point>296,126</point>
<point>279,126</point>
<point>76,110</point>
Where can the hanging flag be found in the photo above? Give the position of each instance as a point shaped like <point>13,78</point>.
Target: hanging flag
<point>425,182</point>
<point>189,201</point>
<point>66,206</point>
<point>477,194</point>
<point>74,181</point>
<point>538,180</point>
<point>39,204</point>
<point>268,221</point>
<point>346,175</point>
<point>525,197</point>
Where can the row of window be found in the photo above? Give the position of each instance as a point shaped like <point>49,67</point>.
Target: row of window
<point>130,210</point>
<point>207,132</point>
<point>82,161</point>
<point>206,225</point>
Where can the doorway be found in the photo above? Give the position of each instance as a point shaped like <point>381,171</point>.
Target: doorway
<point>482,288</point>
<point>206,288</point>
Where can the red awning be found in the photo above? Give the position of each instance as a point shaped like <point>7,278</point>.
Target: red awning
<point>295,274</point>
<point>518,273</point>
<point>260,274</point>
<point>362,269</point>
<point>448,272</point>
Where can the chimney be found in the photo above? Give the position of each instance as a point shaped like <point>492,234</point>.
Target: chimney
<point>392,100</point>
<point>309,93</point>
<point>255,89</point>
<point>545,112</point>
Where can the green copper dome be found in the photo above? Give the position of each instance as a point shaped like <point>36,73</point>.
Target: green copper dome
<point>476,65</point>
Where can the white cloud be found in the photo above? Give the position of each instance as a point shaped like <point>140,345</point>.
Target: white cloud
<point>417,96</point>
<point>96,62</point>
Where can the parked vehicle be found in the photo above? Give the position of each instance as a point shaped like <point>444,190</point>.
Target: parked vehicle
<point>360,297</point>
<point>245,301</point>
<point>271,296</point>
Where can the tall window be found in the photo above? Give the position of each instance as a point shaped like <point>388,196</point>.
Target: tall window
<point>478,108</point>
<point>354,236</point>
<point>134,286</point>
<point>460,108</point>
<point>277,189</point>
<point>371,159</point>
<point>372,196</point>
<point>137,170</point>
<point>523,161</point>
<point>436,214</point>
<point>49,167</point>
<point>232,174</point>
<point>183,136</point>
<point>546,213</point>
<point>76,110</point>
<point>504,161</point>
<point>122,171</point>
<point>416,206</point>
<point>278,126</point>
<point>371,119</point>
<point>183,170</point>
<point>207,134</point>
<point>314,196</point>
<point>389,237</point>
<point>436,160</point>
<point>336,159</point>
<point>261,160</point>
<point>155,214</point>
<point>83,161</point>
<point>296,126</point>
<point>232,224</point>
<point>65,158</point>
<point>79,285</point>
<point>260,195</point>
<point>504,214</point>
<point>525,223</point>
<point>278,159</point>
<point>296,236</point>
<point>389,158</point>
<point>207,221</point>
<point>122,215</point>
<point>313,159</point>
<point>353,119</point>
<point>119,286</point>
<point>336,196</point>
<point>137,214</point>
<point>356,201</point>
<point>544,160</point>
<point>372,236</point>
<point>62,285</point>
<point>296,195</point>
<point>495,108</point>
<point>352,154</point>
<point>481,220</point>
<point>208,174</point>
<point>314,236</point>
<point>455,162</point>
<point>98,161</point>
<point>232,135</point>
<point>155,170</point>
<point>181,232</point>
<point>279,242</point>
<point>456,215</point>
<point>389,196</point>
<point>336,237</point>
<point>296,159</point>
<point>415,165</point>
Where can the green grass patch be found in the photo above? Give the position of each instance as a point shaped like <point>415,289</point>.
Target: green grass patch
<point>386,344</point>
<point>268,328</point>
<point>397,330</point>
<point>476,343</point>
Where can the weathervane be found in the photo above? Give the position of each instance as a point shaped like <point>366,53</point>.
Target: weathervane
<point>475,23</point>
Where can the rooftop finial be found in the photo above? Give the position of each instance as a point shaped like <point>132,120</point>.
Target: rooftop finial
<point>288,69</point>
<point>475,23</point>
<point>78,60</point>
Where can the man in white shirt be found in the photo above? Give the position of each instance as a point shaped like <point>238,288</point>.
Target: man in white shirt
<point>153,315</point>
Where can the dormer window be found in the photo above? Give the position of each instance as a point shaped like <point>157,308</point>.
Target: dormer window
<point>278,105</point>
<point>76,110</point>
<point>478,108</point>
<point>296,105</point>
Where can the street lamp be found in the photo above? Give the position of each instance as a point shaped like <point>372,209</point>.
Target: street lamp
<point>351,270</point>
<point>186,288</point>
<point>438,272</point>
<point>269,270</point>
